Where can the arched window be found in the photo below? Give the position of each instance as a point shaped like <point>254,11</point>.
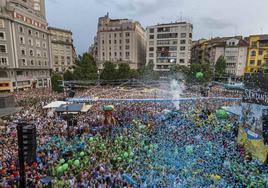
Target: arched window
<point>253,53</point>
<point>3,74</point>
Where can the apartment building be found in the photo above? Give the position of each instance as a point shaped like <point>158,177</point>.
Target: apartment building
<point>25,59</point>
<point>120,41</point>
<point>233,49</point>
<point>257,53</point>
<point>169,44</point>
<point>63,51</point>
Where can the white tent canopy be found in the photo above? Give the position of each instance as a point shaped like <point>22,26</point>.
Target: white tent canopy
<point>54,104</point>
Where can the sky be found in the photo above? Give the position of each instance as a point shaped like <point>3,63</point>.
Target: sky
<point>210,18</point>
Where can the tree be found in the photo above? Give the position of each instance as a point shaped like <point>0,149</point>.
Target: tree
<point>109,72</point>
<point>123,71</point>
<point>195,68</point>
<point>55,82</point>
<point>179,71</point>
<point>68,75</point>
<point>148,72</point>
<point>220,67</point>
<point>86,68</point>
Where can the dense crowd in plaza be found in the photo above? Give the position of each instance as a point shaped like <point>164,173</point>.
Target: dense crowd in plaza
<point>151,145</point>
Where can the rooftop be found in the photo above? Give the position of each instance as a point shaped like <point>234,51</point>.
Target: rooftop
<point>59,29</point>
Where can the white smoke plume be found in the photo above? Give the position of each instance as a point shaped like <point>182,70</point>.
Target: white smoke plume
<point>176,91</point>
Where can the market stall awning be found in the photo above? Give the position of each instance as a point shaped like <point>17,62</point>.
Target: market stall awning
<point>55,104</point>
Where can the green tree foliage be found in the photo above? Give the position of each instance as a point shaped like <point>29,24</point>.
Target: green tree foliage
<point>86,68</point>
<point>123,71</point>
<point>195,68</point>
<point>68,75</point>
<point>220,67</point>
<point>148,73</point>
<point>56,82</point>
<point>179,71</point>
<point>109,72</point>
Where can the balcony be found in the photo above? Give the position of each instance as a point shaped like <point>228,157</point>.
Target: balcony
<point>266,56</point>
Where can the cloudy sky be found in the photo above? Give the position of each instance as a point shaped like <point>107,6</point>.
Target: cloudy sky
<point>210,18</point>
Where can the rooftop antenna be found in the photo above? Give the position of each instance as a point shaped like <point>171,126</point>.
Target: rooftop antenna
<point>107,15</point>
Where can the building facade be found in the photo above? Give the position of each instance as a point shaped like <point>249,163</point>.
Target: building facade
<point>120,41</point>
<point>63,52</point>
<point>25,59</point>
<point>257,53</point>
<point>233,49</point>
<point>169,44</point>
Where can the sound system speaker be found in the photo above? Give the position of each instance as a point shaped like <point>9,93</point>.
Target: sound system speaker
<point>27,142</point>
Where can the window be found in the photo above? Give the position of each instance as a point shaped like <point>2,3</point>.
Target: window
<point>115,54</point>
<point>44,36</point>
<point>103,54</point>
<point>31,53</point>
<point>182,48</point>
<point>182,61</point>
<point>21,30</point>
<point>110,42</point>
<point>44,45</point>
<point>39,63</point>
<point>57,69</point>
<point>23,52</point>
<point>151,36</point>
<point>29,31</point>
<point>167,35</point>
<point>32,62</point>
<point>260,52</point>
<point>127,47</point>
<point>163,29</point>
<point>3,61</point>
<point>45,54</point>
<point>253,53</point>
<point>62,60</point>
<point>127,34</point>
<point>252,62</point>
<point>3,49</point>
<point>45,63</point>
<point>120,47</point>
<point>2,25</point>
<point>38,53</point>
<point>115,35</point>
<point>114,41</point>
<point>173,48</point>
<point>110,54</point>
<point>30,41</point>
<point>190,35</point>
<point>127,54</point>
<point>23,62</point>
<point>2,36</point>
<point>37,34</point>
<point>120,41</point>
<point>259,62</point>
<point>68,60</point>
<point>22,41</point>
<point>151,30</point>
<point>151,49</point>
<point>183,41</point>
<point>127,41</point>
<point>151,54</point>
<point>183,35</point>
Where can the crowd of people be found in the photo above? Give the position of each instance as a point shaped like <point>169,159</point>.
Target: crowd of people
<point>151,145</point>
